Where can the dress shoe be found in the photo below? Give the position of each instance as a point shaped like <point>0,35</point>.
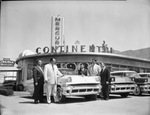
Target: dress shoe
<point>107,99</point>
<point>48,102</point>
<point>36,101</point>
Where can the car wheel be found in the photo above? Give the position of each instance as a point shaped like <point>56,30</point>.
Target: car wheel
<point>94,97</point>
<point>137,91</point>
<point>90,97</point>
<point>60,96</point>
<point>124,95</point>
<point>87,97</point>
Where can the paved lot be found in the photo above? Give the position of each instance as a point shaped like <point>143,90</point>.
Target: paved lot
<point>22,104</point>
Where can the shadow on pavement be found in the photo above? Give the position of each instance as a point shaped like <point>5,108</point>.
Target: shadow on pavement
<point>117,97</point>
<point>75,99</point>
<point>27,102</point>
<point>142,95</point>
<point>27,97</point>
<point>1,107</point>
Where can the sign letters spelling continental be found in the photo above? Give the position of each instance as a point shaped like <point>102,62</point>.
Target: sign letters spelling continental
<point>75,48</point>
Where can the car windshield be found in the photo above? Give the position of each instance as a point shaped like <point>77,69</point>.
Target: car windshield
<point>67,71</point>
<point>126,74</point>
<point>132,74</point>
<point>145,75</point>
<point>117,74</point>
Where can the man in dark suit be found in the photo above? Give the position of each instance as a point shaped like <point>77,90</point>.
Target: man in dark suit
<point>105,78</point>
<point>38,77</point>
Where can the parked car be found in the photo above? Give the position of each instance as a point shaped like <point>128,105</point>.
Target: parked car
<point>9,82</point>
<point>72,84</point>
<point>143,85</point>
<point>121,85</point>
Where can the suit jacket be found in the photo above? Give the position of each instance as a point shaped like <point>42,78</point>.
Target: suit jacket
<point>105,76</point>
<point>38,74</point>
<point>51,73</point>
<point>94,70</point>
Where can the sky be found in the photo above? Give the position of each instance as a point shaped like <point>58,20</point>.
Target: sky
<point>123,25</point>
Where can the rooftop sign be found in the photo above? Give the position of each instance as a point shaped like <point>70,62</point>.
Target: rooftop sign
<point>75,48</point>
<point>7,62</point>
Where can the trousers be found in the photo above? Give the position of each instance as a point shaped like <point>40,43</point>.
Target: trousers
<point>105,91</point>
<point>50,90</point>
<point>38,90</point>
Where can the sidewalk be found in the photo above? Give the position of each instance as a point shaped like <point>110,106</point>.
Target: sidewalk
<point>11,102</point>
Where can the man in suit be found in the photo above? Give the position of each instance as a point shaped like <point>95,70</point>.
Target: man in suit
<point>51,73</point>
<point>105,79</point>
<point>38,77</point>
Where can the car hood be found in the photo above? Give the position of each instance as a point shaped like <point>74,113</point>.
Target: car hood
<point>142,80</point>
<point>119,79</point>
<point>78,79</point>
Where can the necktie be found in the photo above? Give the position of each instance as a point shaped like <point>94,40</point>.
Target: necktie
<point>53,67</point>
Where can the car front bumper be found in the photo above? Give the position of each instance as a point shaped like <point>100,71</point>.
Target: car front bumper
<point>81,90</point>
<point>145,88</point>
<point>122,88</point>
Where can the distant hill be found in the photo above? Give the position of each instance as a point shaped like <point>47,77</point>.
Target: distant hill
<point>141,53</point>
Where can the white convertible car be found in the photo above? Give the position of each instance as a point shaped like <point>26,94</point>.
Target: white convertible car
<point>72,84</point>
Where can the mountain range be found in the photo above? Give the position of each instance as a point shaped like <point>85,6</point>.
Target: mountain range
<point>140,53</point>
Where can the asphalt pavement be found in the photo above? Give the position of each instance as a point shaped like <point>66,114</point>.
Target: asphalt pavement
<point>21,103</point>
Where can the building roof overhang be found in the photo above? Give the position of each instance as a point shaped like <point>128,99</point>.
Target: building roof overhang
<point>83,53</point>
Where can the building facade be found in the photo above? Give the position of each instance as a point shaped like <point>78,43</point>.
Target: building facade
<point>73,60</point>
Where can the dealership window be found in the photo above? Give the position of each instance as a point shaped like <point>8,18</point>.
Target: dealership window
<point>30,71</point>
<point>115,67</point>
<point>122,68</point>
<point>71,65</point>
<point>108,66</point>
<point>130,68</point>
<point>148,70</point>
<point>136,69</point>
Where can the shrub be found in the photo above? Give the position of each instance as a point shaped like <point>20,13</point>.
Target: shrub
<point>6,92</point>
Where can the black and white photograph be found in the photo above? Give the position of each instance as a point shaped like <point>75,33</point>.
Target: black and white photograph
<point>75,57</point>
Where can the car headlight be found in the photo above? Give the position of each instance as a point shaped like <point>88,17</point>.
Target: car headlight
<point>133,78</point>
<point>146,80</point>
<point>113,86</point>
<point>69,79</point>
<point>112,79</point>
<point>97,79</point>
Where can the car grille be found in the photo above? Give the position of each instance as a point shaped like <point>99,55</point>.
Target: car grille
<point>122,88</point>
<point>83,88</point>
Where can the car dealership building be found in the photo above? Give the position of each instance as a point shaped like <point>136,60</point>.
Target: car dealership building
<point>73,60</point>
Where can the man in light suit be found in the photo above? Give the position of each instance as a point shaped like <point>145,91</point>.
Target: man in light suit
<point>94,69</point>
<point>51,73</point>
